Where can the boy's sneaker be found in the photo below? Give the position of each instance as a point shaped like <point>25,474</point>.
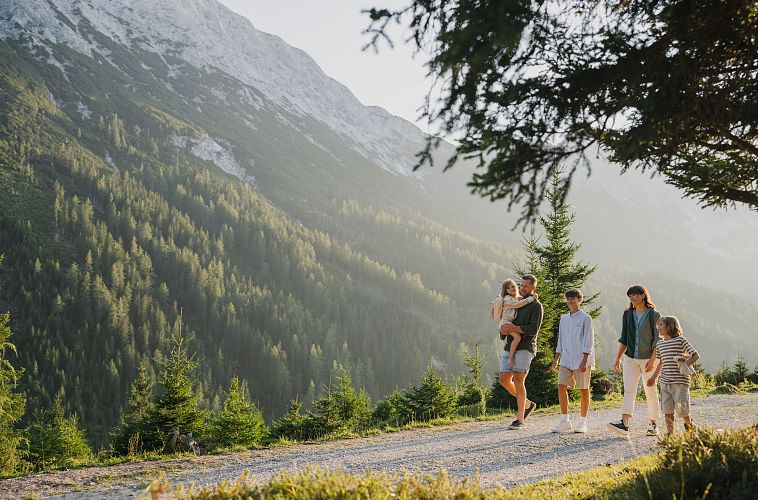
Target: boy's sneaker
<point>532,406</point>
<point>618,428</point>
<point>581,426</point>
<point>563,426</point>
<point>516,425</point>
<point>652,429</point>
<point>689,427</point>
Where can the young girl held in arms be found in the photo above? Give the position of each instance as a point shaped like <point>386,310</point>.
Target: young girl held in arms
<point>504,309</point>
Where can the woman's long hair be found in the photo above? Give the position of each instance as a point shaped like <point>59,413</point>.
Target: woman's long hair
<point>639,289</point>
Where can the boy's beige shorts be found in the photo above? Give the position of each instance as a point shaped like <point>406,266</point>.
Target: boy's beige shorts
<point>573,378</point>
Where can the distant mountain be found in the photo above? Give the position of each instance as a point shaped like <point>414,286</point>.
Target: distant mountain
<point>165,159</point>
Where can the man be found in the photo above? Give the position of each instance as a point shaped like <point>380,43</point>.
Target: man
<point>527,323</point>
<point>575,355</point>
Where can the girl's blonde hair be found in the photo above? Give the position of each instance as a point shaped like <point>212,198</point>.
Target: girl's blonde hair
<point>503,291</point>
<point>673,328</point>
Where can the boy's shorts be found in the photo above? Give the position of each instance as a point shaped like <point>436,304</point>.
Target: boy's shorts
<point>573,378</point>
<point>521,361</point>
<point>675,399</point>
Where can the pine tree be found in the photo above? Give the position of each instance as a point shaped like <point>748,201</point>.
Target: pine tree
<point>135,427</point>
<point>555,266</point>
<point>432,399</point>
<point>341,406</point>
<point>240,422</point>
<point>56,440</point>
<point>473,392</point>
<point>177,406</point>
<point>12,404</point>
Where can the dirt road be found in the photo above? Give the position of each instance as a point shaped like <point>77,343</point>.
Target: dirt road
<point>502,457</point>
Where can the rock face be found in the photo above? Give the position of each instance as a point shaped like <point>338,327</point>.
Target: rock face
<point>207,36</point>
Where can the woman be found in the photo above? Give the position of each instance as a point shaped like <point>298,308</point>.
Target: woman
<point>637,354</point>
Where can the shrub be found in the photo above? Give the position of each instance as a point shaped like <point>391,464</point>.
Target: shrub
<point>55,440</point>
<point>735,375</point>
<point>604,383</point>
<point>390,410</point>
<point>135,427</point>
<point>472,394</point>
<point>432,399</point>
<point>297,426</point>
<point>341,407</point>
<point>710,463</point>
<point>239,423</point>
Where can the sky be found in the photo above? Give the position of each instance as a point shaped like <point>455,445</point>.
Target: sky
<point>330,31</point>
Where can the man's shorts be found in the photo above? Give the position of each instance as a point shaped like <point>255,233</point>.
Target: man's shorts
<point>521,361</point>
<point>573,378</point>
<point>675,399</point>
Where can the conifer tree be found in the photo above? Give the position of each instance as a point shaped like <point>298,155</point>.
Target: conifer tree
<point>342,406</point>
<point>12,404</point>
<point>555,266</point>
<point>56,440</point>
<point>240,422</point>
<point>135,427</point>
<point>432,399</point>
<point>176,407</point>
<point>473,392</point>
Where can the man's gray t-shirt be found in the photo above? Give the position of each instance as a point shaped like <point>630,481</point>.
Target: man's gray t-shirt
<point>529,318</point>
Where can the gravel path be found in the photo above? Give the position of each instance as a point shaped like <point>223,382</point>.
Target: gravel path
<point>502,457</point>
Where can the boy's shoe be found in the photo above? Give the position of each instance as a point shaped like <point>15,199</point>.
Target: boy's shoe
<point>563,426</point>
<point>652,429</point>
<point>531,407</point>
<point>618,428</point>
<point>581,426</point>
<point>689,427</point>
<point>516,425</point>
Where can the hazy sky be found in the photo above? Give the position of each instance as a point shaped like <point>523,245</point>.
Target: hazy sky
<point>330,31</point>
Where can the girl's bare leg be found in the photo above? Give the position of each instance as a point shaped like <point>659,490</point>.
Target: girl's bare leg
<point>514,344</point>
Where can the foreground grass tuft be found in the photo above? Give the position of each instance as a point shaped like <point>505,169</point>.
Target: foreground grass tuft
<point>703,464</point>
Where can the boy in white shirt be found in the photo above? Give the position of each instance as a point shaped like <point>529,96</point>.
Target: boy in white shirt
<point>574,360</point>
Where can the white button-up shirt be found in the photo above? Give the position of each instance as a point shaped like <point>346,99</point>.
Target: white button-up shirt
<point>576,336</point>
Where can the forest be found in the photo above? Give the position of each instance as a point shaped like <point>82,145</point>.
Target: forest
<point>115,239</point>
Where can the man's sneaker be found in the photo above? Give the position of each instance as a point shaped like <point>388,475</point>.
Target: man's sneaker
<point>563,426</point>
<point>618,428</point>
<point>652,429</point>
<point>581,426</point>
<point>516,424</point>
<point>532,406</point>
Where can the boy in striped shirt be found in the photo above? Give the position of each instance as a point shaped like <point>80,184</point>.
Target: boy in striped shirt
<point>677,357</point>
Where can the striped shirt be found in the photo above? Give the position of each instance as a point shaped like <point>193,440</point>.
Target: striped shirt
<point>668,351</point>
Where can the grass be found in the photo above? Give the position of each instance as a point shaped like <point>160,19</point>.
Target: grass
<point>610,402</point>
<point>702,464</point>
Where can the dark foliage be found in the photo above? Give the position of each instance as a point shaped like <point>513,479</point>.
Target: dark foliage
<point>528,87</point>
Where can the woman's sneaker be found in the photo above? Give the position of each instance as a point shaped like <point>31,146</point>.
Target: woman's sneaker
<point>618,428</point>
<point>652,429</point>
<point>516,425</point>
